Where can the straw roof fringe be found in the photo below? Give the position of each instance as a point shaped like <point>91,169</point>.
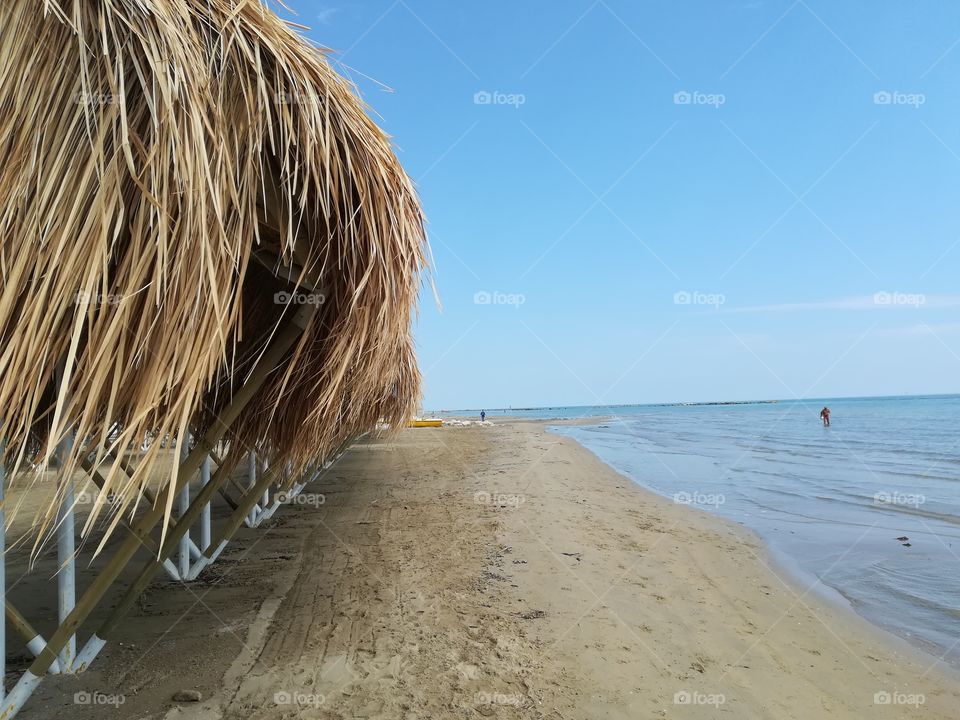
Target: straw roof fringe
<point>172,170</point>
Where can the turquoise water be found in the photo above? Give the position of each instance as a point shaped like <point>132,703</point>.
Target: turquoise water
<point>831,502</point>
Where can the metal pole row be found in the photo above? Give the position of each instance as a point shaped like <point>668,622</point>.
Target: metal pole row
<point>99,639</point>
<point>188,516</point>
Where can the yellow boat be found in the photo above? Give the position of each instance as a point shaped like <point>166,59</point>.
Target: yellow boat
<point>424,423</point>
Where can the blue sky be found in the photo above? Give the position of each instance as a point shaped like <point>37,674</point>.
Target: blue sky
<point>673,201</point>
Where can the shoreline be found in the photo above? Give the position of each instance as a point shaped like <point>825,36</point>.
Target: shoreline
<point>801,581</point>
<point>755,621</point>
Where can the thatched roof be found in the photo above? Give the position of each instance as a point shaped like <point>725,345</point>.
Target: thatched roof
<point>167,166</point>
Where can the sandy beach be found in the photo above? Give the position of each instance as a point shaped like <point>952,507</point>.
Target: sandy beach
<point>496,571</point>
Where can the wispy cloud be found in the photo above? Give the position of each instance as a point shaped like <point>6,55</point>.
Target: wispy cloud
<point>921,329</point>
<point>325,15</point>
<point>883,300</point>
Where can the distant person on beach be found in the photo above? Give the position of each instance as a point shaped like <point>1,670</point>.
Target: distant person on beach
<point>483,415</point>
<point>825,416</point>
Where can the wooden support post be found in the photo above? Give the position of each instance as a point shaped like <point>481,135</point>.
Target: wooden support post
<point>226,498</point>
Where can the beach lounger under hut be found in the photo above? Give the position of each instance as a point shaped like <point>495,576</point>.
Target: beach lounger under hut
<point>202,235</point>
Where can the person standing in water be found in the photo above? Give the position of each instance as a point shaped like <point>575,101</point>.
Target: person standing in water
<point>825,416</point>
<point>483,415</point>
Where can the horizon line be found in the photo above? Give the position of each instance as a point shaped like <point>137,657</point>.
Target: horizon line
<point>711,402</point>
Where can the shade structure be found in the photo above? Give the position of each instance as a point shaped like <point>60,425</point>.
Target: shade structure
<point>179,178</point>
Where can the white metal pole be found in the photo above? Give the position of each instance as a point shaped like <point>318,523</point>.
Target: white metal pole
<point>184,550</point>
<point>205,515</point>
<point>251,481</point>
<point>265,501</point>
<point>66,551</point>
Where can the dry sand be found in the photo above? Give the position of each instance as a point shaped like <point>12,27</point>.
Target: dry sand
<point>496,571</point>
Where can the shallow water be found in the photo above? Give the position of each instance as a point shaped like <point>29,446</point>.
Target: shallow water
<point>831,501</point>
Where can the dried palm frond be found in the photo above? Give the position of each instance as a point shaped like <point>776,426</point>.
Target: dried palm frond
<point>178,175</point>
